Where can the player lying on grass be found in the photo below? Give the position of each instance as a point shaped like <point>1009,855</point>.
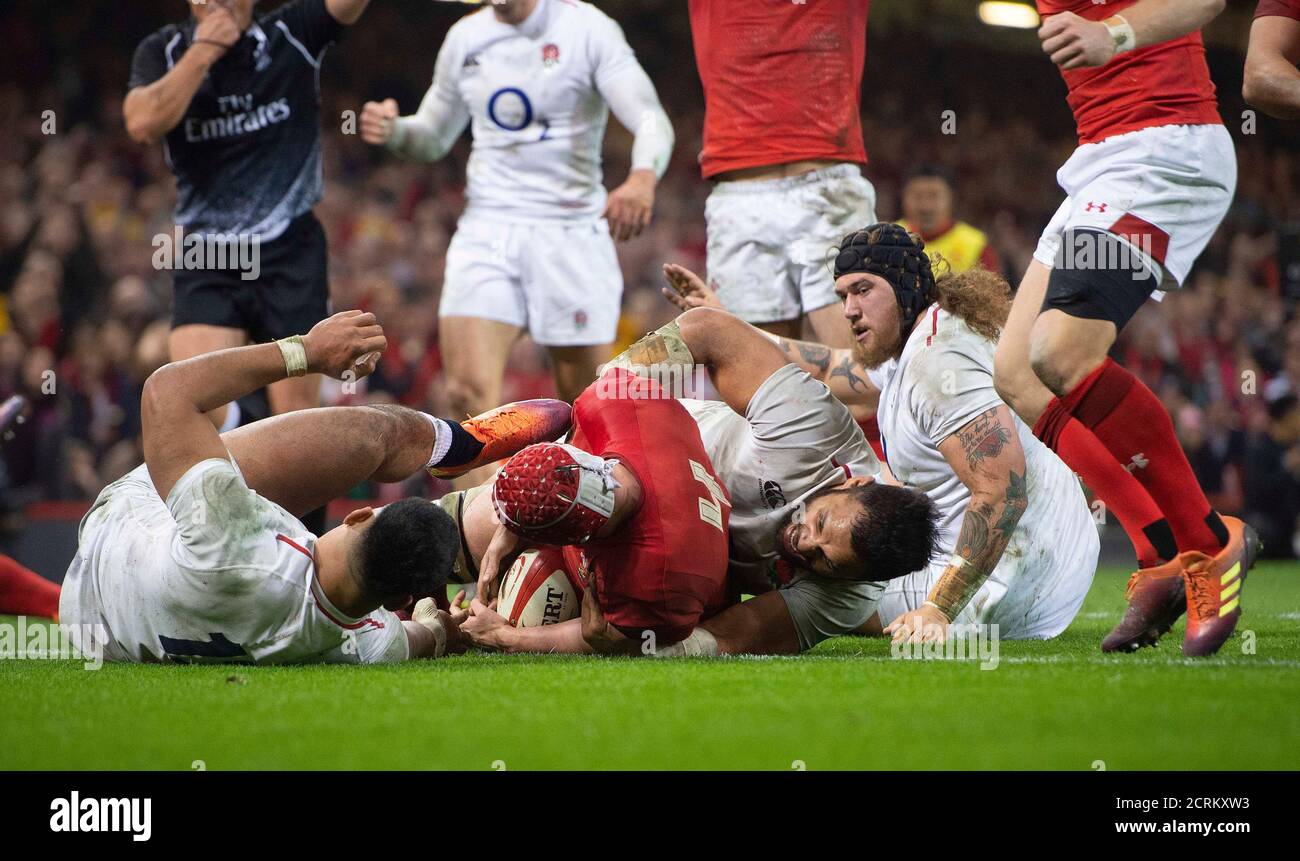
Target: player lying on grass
<point>1019,543</point>
<point>197,555</point>
<point>633,501</point>
<point>806,513</point>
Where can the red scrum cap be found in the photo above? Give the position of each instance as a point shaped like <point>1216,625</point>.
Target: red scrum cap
<point>553,493</point>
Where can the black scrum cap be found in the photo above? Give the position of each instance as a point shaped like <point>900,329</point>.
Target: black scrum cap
<point>889,251</point>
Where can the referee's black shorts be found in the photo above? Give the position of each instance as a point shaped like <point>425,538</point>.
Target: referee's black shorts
<point>290,295</point>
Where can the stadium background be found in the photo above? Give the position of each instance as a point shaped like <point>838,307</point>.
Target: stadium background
<point>81,297</point>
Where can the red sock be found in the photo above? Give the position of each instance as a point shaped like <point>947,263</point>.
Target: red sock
<point>1123,495</point>
<point>1134,426</point>
<point>23,592</point>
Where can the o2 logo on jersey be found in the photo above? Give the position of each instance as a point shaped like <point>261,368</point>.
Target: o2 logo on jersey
<point>510,109</point>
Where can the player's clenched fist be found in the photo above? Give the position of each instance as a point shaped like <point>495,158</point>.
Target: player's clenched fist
<point>1073,42</point>
<point>350,341</point>
<point>377,121</point>
<point>218,28</point>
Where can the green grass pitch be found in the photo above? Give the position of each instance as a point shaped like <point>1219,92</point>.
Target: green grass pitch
<point>847,705</point>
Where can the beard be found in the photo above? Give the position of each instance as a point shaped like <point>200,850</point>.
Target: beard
<point>878,348</point>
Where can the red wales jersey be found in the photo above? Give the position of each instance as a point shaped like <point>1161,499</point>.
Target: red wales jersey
<point>1156,85</point>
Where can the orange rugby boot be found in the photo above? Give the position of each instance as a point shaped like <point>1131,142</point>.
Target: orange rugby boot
<point>508,429</point>
<point>1156,599</point>
<point>1214,586</point>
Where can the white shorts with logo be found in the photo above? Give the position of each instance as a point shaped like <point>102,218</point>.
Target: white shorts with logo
<point>1165,189</point>
<point>770,240</point>
<point>560,281</point>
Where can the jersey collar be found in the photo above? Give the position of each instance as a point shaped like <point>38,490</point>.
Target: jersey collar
<point>535,24</point>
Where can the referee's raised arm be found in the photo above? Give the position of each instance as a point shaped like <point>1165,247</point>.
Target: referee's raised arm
<point>235,100</point>
<point>152,110</point>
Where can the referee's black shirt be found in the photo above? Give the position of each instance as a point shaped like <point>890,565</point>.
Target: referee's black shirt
<point>247,153</point>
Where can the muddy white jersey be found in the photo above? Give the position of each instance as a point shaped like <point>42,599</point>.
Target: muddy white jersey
<point>794,440</point>
<point>214,574</point>
<point>943,380</point>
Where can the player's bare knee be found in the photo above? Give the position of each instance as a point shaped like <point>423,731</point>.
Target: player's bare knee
<point>1055,364</point>
<point>1008,386</point>
<point>390,423</point>
<point>703,329</point>
<point>469,395</point>
<point>1010,374</point>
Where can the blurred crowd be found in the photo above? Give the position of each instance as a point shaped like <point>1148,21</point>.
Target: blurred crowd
<point>83,310</point>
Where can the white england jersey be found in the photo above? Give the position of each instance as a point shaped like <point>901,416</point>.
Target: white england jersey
<point>535,95</point>
<point>215,574</point>
<point>795,439</point>
<point>943,380</point>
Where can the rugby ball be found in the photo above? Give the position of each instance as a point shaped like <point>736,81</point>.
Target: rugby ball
<point>537,590</point>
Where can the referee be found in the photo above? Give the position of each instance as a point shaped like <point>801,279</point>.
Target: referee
<point>236,103</point>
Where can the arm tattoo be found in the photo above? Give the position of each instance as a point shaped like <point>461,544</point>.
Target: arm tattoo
<point>981,545</point>
<point>987,527</point>
<point>983,438</point>
<point>815,354</point>
<point>845,369</point>
<point>973,541</point>
<point>1014,504</point>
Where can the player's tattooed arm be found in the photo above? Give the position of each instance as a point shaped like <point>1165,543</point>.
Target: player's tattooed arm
<point>846,378</point>
<point>814,356</point>
<point>986,455</point>
<point>984,438</point>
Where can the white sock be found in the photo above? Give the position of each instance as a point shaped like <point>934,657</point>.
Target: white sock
<point>233,415</point>
<point>441,440</point>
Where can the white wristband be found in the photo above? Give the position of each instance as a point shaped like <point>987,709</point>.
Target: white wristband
<point>1121,33</point>
<point>439,629</point>
<point>295,355</point>
<point>426,614</point>
<point>700,644</point>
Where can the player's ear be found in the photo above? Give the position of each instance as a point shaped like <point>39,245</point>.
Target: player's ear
<point>358,516</point>
<point>859,481</point>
